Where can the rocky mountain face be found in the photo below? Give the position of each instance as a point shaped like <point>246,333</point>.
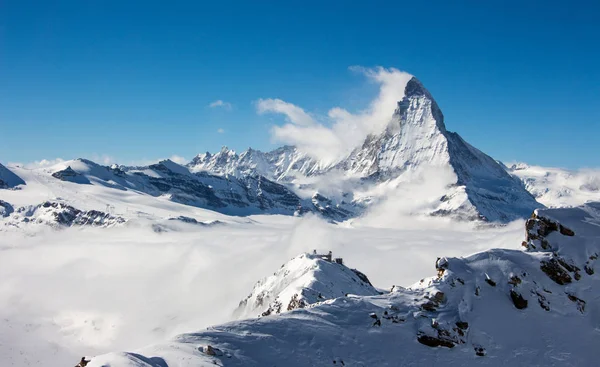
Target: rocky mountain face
<point>282,164</point>
<point>505,307</point>
<point>415,139</point>
<point>244,195</point>
<point>8,179</point>
<point>305,280</point>
<point>57,214</point>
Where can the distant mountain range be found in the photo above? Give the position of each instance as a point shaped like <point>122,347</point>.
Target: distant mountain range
<point>472,185</point>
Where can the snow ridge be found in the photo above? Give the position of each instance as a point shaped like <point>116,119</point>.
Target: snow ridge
<point>305,280</point>
<point>8,179</point>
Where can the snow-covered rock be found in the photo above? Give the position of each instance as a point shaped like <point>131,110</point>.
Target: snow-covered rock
<point>8,179</point>
<point>303,281</point>
<point>498,307</point>
<point>58,214</point>
<point>281,164</point>
<point>227,194</point>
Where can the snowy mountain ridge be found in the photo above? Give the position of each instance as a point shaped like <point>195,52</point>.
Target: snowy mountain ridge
<point>414,152</point>
<point>556,187</point>
<point>414,140</point>
<point>498,307</point>
<point>305,280</point>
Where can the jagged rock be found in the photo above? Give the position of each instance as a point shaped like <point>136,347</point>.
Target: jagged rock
<point>580,303</point>
<point>490,282</point>
<point>518,299</point>
<point>479,350</point>
<point>432,341</point>
<point>514,280</point>
<point>5,209</point>
<point>69,174</point>
<point>83,362</point>
<point>555,271</point>
<point>212,351</point>
<point>543,302</point>
<point>296,303</point>
<point>462,325</point>
<point>566,231</point>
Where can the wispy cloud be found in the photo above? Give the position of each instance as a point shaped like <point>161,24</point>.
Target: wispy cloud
<point>294,114</point>
<point>178,159</point>
<point>331,137</point>
<point>104,159</point>
<point>38,164</point>
<point>220,131</point>
<point>220,104</point>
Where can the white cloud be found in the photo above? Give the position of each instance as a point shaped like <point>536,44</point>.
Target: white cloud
<point>37,164</point>
<point>331,137</point>
<point>294,114</point>
<point>220,131</point>
<point>221,104</point>
<point>104,159</point>
<point>178,159</point>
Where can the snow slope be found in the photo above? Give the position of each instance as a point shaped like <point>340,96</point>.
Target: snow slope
<point>243,195</point>
<point>85,290</point>
<point>497,307</point>
<point>302,281</point>
<point>556,187</point>
<point>8,179</point>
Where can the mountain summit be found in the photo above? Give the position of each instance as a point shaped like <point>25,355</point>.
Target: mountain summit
<point>415,140</point>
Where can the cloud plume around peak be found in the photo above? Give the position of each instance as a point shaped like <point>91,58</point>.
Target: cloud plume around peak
<point>329,138</point>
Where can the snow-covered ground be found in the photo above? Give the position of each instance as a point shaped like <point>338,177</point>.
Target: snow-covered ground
<point>86,291</point>
<point>533,307</point>
<point>557,187</point>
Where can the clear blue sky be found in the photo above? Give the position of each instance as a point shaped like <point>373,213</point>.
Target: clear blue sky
<point>133,79</point>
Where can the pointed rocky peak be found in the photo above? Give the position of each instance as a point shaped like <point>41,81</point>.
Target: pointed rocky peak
<point>416,106</point>
<point>226,151</point>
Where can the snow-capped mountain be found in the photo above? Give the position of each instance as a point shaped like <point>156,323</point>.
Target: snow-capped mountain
<point>535,306</point>
<point>303,281</point>
<point>281,164</point>
<point>415,139</point>
<point>556,187</point>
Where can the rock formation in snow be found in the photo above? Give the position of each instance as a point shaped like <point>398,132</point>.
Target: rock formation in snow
<point>8,179</point>
<point>302,281</point>
<point>58,214</point>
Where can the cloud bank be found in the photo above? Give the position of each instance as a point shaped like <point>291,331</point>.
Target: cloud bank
<point>331,137</point>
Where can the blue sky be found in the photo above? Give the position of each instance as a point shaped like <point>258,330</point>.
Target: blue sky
<point>133,80</point>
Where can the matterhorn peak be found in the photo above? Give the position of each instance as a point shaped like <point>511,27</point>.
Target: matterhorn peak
<point>417,108</point>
